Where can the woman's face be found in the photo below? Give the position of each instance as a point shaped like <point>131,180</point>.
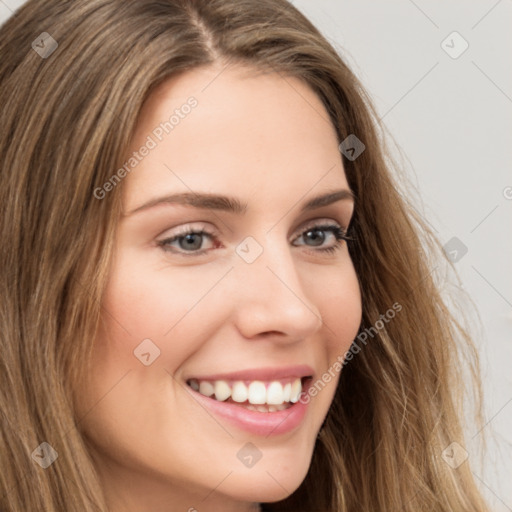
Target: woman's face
<point>264,298</point>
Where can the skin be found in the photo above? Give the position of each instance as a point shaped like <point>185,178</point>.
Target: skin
<point>266,140</point>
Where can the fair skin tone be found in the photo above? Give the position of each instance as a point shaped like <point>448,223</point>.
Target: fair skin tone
<point>268,142</point>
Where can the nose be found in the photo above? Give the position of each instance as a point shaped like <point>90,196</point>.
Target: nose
<point>270,298</point>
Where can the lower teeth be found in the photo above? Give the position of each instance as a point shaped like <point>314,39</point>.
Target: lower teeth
<point>259,407</point>
<point>266,408</point>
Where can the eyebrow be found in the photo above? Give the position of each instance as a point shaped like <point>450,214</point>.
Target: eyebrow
<point>233,205</point>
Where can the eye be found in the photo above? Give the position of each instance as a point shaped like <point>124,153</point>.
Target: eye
<point>317,235</point>
<point>187,241</point>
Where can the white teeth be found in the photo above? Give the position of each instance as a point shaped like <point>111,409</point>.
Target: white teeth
<point>206,388</point>
<point>264,397</point>
<point>295,392</point>
<point>275,393</point>
<point>257,392</point>
<point>239,392</point>
<point>222,390</point>
<point>286,392</point>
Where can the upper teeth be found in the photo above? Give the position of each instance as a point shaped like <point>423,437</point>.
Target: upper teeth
<point>256,392</point>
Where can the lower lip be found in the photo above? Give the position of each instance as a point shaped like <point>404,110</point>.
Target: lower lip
<point>259,423</point>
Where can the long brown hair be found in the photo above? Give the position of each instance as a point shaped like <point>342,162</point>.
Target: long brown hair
<point>70,105</point>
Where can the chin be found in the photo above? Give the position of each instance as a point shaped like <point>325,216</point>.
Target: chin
<point>269,482</point>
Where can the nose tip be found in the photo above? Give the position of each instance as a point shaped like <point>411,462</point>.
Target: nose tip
<point>272,300</point>
<point>302,307</point>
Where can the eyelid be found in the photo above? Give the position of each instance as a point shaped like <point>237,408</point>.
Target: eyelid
<point>321,221</point>
<point>183,229</point>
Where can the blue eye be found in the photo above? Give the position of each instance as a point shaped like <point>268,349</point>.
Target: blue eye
<point>190,242</point>
<point>316,235</point>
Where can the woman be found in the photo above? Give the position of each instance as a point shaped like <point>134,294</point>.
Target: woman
<point>215,298</point>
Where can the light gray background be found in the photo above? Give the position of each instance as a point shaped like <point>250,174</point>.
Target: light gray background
<point>451,119</point>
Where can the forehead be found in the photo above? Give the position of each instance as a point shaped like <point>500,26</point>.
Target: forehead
<point>247,129</point>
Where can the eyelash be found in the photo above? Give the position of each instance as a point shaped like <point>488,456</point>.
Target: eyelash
<point>339,234</point>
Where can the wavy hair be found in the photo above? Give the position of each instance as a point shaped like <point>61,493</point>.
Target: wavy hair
<point>66,122</point>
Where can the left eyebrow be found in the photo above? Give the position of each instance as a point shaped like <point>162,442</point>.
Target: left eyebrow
<point>233,205</point>
<point>327,199</point>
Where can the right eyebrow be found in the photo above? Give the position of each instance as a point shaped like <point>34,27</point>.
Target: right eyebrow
<point>197,200</point>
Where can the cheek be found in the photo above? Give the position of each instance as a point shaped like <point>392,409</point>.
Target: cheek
<point>170,307</point>
<point>161,311</point>
<point>336,294</point>
<point>161,304</point>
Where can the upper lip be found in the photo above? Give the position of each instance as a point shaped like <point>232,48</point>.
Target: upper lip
<point>267,373</point>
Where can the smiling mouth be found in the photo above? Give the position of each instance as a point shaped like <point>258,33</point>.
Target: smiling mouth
<point>254,395</point>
